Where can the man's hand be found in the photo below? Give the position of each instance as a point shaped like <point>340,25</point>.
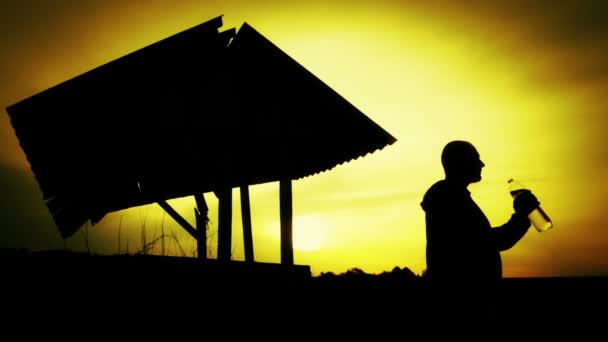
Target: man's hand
<point>525,202</point>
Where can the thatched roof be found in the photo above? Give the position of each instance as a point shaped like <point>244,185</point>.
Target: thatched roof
<point>192,113</point>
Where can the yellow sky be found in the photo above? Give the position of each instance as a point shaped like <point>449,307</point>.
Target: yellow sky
<point>525,93</point>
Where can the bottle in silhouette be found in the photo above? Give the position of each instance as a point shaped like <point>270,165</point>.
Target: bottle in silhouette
<point>540,220</point>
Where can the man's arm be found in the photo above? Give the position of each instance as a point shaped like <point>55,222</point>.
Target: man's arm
<point>507,235</point>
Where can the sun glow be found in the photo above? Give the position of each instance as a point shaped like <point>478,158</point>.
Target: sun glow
<point>309,232</point>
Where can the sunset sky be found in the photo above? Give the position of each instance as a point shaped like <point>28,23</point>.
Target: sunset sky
<point>524,81</point>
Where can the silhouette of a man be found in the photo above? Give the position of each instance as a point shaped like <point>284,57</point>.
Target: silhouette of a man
<point>464,265</point>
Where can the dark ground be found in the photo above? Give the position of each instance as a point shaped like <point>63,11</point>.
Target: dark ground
<point>69,288</point>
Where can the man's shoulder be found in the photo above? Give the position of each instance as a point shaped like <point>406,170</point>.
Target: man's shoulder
<point>434,193</point>
<point>438,187</point>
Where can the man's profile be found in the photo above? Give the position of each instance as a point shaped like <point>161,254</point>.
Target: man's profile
<point>462,247</point>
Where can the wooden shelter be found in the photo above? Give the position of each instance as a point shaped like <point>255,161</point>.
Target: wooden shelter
<point>201,111</point>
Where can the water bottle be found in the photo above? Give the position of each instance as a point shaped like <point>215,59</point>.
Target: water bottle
<point>540,220</point>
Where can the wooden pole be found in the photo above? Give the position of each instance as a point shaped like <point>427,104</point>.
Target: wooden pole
<point>224,224</point>
<point>286,221</point>
<point>246,215</point>
<point>201,212</point>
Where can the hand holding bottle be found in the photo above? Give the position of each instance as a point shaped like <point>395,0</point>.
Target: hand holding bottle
<point>525,203</point>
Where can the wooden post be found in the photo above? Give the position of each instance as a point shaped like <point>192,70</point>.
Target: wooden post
<point>201,212</point>
<point>246,215</point>
<point>286,221</point>
<point>224,227</point>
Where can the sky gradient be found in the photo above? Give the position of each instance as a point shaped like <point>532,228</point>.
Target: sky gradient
<point>525,83</point>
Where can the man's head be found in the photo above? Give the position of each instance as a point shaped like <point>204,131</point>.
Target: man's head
<point>461,162</point>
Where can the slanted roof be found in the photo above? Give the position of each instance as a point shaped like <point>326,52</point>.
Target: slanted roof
<point>192,113</point>
<point>291,124</point>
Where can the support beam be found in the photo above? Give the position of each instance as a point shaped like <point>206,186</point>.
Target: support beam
<point>286,221</point>
<point>224,224</point>
<point>177,217</point>
<point>201,213</point>
<point>246,215</point>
